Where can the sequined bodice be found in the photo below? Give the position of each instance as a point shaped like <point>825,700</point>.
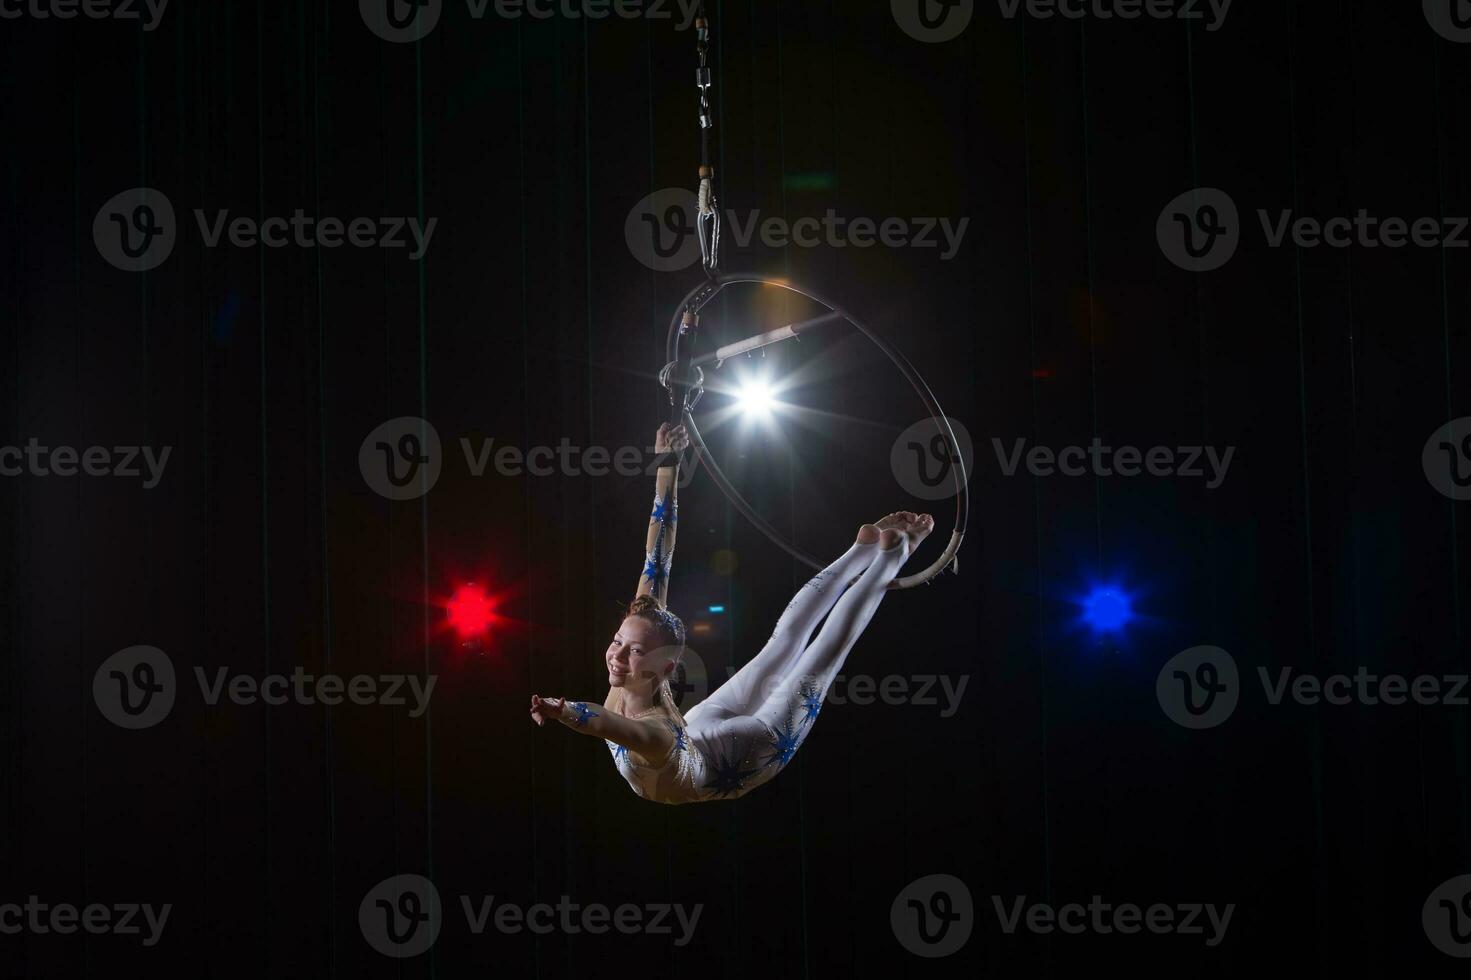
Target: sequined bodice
<point>678,780</point>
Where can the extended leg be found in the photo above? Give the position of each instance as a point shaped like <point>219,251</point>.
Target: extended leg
<point>753,682</point>
<point>802,690</point>
<point>744,751</point>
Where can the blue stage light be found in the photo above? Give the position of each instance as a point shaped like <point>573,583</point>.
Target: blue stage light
<point>717,609</point>
<point>1107,609</point>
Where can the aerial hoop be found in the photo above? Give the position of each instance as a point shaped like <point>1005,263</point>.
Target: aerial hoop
<point>683,376</point>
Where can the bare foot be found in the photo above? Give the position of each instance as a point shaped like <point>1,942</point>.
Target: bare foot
<point>868,534</point>
<point>896,520</point>
<point>905,525</point>
<point>919,528</point>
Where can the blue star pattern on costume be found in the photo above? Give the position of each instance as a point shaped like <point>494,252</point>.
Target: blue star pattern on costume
<point>620,752</point>
<point>727,777</point>
<point>811,703</point>
<point>583,713</point>
<point>784,742</point>
<point>680,742</point>
<point>656,570</point>
<point>656,565</point>
<point>665,510</point>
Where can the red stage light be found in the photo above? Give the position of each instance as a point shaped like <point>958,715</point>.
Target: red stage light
<point>470,611</point>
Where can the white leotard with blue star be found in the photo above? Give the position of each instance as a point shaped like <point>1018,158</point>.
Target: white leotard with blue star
<point>750,728</point>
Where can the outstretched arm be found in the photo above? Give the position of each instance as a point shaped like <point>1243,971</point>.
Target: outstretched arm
<point>659,543</point>
<point>649,741</point>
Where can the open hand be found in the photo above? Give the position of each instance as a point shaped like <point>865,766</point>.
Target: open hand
<point>544,708</point>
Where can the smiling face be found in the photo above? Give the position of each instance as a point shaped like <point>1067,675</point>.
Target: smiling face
<point>637,658</point>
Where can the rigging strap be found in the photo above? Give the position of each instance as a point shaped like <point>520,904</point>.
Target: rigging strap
<point>707,220</point>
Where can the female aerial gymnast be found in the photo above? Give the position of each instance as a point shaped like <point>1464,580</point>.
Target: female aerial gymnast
<point>742,735</point>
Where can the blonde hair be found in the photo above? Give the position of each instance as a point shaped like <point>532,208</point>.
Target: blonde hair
<point>671,631</point>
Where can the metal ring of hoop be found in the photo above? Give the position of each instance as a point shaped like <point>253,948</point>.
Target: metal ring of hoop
<point>702,294</point>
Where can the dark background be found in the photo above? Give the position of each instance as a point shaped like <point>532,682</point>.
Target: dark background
<point>529,321</point>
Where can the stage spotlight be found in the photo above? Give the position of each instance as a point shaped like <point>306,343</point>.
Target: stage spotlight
<point>470,612</point>
<point>756,398</point>
<point>1107,609</point>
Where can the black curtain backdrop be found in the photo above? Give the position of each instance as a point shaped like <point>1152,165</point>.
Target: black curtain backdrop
<point>529,320</point>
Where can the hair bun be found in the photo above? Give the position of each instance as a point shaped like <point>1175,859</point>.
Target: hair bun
<point>650,608</point>
<point>645,603</point>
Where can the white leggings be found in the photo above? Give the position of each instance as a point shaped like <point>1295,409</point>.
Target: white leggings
<point>750,728</point>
